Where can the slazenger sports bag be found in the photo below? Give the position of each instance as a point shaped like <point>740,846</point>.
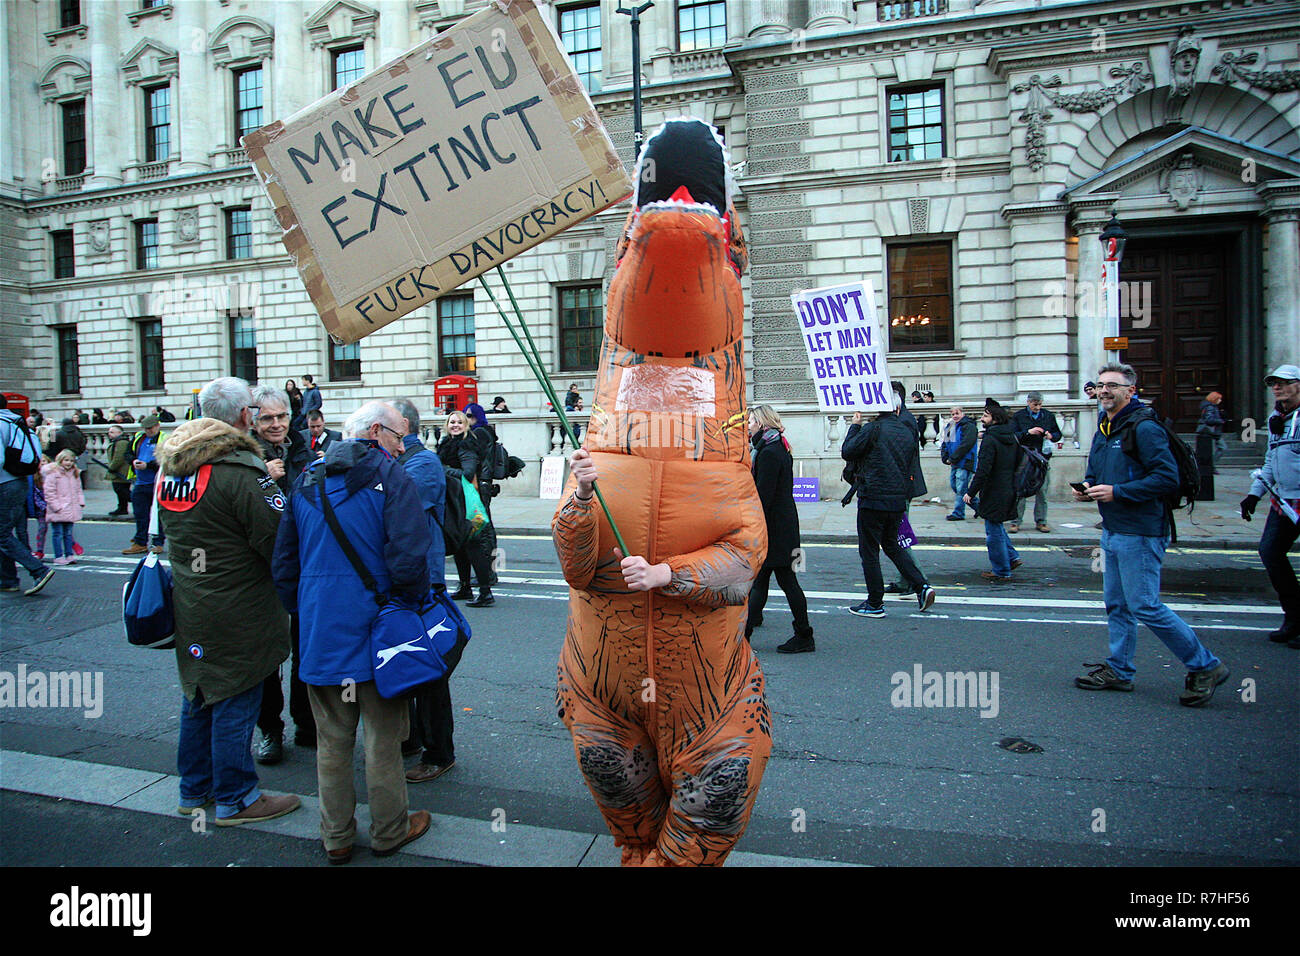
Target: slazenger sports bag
<point>415,644</point>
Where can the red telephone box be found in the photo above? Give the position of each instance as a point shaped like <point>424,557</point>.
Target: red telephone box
<point>20,405</point>
<point>454,392</point>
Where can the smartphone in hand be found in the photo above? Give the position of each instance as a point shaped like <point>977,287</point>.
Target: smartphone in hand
<point>1080,487</point>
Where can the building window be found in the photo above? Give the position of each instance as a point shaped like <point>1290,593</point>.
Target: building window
<point>146,244</point>
<point>243,348</point>
<point>157,124</point>
<point>69,13</point>
<point>349,65</point>
<point>74,137</point>
<point>456,335</point>
<point>239,234</point>
<point>345,362</point>
<point>916,124</point>
<point>248,101</point>
<point>920,297</point>
<point>701,25</point>
<point>580,34</point>
<point>581,321</point>
<point>69,363</point>
<point>151,354</point>
<point>65,265</point>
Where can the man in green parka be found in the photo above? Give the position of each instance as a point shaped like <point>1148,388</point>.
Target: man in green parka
<point>220,510</point>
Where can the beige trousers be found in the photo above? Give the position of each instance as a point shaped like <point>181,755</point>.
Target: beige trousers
<point>385,726</point>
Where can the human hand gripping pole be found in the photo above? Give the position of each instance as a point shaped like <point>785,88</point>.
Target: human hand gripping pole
<point>534,359</point>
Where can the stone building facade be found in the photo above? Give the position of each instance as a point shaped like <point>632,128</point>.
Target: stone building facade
<point>963,155</point>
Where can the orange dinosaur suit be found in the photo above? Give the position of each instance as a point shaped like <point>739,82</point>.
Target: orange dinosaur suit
<point>662,693</point>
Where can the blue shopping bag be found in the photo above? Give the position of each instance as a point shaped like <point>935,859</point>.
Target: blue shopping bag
<point>147,611</point>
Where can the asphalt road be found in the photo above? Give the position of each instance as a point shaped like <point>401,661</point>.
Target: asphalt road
<point>1122,779</point>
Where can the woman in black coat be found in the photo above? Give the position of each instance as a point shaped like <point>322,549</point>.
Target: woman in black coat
<point>460,454</point>
<point>995,486</point>
<point>774,477</point>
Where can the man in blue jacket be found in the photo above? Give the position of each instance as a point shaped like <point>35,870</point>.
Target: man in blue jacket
<point>957,451</point>
<point>379,511</point>
<point>1130,471</point>
<point>431,714</point>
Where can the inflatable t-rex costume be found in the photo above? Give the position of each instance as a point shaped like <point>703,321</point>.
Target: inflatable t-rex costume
<point>661,691</point>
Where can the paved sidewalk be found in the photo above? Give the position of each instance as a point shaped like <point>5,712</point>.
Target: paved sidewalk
<point>1212,524</point>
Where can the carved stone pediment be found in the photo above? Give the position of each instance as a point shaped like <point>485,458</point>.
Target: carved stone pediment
<point>241,40</point>
<point>149,60</point>
<point>339,21</point>
<point>66,76</point>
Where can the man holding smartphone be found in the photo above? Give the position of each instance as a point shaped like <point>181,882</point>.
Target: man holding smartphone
<point>1130,470</point>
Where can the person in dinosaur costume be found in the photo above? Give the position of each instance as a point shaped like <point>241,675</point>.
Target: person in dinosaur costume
<point>657,684</point>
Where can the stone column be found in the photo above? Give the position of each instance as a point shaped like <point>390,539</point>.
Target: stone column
<point>196,106</point>
<point>110,126</point>
<point>1090,216</point>
<point>769,18</point>
<point>294,81</point>
<point>828,14</point>
<point>1040,303</point>
<point>1282,266</point>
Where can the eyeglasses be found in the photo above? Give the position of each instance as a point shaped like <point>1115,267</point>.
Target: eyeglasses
<point>1110,386</point>
<point>387,429</point>
<point>268,419</point>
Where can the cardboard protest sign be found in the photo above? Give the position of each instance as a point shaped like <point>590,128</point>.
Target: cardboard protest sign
<point>473,147</point>
<point>846,349</point>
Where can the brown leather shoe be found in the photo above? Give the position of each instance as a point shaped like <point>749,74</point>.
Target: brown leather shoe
<point>340,856</point>
<point>427,771</point>
<point>1016,563</point>
<point>996,579</point>
<point>417,824</point>
<point>1042,526</point>
<point>264,807</point>
<point>1012,527</point>
<point>135,549</point>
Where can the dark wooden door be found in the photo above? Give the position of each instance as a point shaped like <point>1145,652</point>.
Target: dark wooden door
<point>1183,353</point>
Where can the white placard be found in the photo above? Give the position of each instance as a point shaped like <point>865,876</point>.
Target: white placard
<point>552,482</point>
<point>846,351</point>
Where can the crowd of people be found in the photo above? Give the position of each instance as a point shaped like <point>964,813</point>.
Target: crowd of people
<point>249,487</point>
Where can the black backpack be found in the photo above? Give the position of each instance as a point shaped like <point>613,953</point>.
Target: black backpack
<point>1189,471</point>
<point>14,463</point>
<point>497,464</point>
<point>1031,471</point>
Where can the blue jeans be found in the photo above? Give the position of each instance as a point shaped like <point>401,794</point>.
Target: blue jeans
<point>141,501</point>
<point>61,538</point>
<point>214,755</point>
<point>13,548</point>
<point>1001,551</point>
<point>959,481</point>
<point>1131,582</point>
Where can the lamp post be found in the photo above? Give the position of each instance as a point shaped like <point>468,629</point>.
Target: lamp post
<point>635,14</point>
<point>1113,239</point>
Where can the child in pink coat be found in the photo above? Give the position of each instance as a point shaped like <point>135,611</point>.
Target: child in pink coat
<point>64,500</point>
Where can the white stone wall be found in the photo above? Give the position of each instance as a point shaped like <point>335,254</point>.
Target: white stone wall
<point>803,106</point>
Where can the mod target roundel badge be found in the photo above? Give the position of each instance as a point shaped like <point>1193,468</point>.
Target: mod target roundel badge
<point>196,651</point>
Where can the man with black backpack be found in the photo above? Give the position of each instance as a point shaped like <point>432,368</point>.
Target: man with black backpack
<point>1132,472</point>
<point>1035,428</point>
<point>22,457</point>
